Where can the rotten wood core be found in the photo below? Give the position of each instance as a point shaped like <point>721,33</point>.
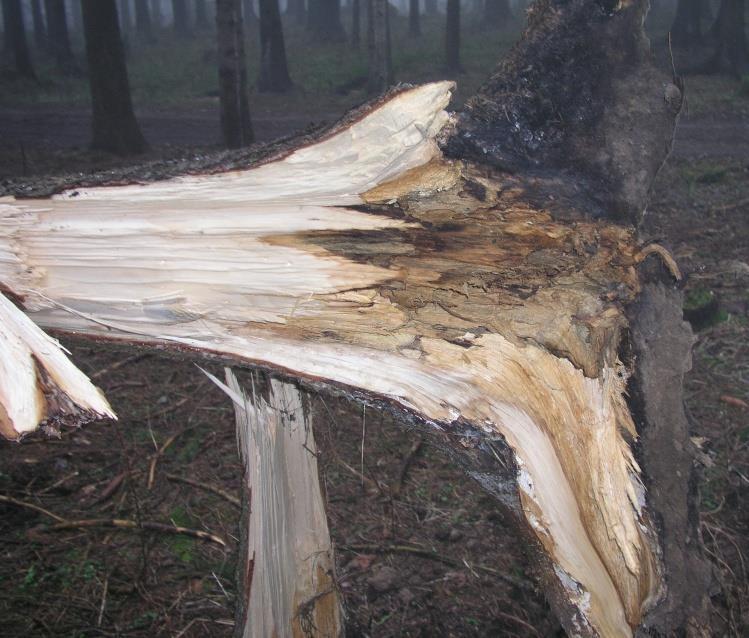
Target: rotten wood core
<point>371,262</point>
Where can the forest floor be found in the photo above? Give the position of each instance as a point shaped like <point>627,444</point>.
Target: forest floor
<point>421,550</point>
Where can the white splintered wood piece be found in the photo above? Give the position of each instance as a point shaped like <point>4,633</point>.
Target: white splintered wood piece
<point>290,568</point>
<point>37,380</point>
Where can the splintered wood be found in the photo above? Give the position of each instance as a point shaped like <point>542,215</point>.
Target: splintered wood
<point>287,577</point>
<point>369,262</point>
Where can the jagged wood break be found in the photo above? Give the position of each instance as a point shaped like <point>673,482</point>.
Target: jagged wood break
<point>369,262</point>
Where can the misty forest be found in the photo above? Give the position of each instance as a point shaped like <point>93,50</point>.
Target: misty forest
<point>376,318</point>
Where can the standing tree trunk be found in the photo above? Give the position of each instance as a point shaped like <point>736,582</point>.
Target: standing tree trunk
<point>452,37</point>
<point>201,14</point>
<point>57,34</point>
<point>236,125</point>
<point>686,30</point>
<point>126,16</point>
<point>497,13</point>
<point>76,23</point>
<point>181,18</point>
<point>143,19</point>
<point>249,17</point>
<point>430,7</point>
<point>380,75</point>
<point>297,10</point>
<point>355,23</point>
<point>324,20</point>
<point>414,22</point>
<point>40,30</point>
<point>15,37</point>
<point>274,73</point>
<point>115,128</point>
<point>157,15</point>
<point>729,32</point>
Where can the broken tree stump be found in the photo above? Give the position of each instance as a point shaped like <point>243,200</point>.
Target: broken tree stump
<point>464,271</point>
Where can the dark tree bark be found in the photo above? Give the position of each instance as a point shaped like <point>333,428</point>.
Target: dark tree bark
<point>15,37</point>
<point>729,32</point>
<point>686,30</point>
<point>181,18</point>
<point>274,73</point>
<point>126,16</point>
<point>452,37</point>
<point>143,19</point>
<point>297,11</point>
<point>57,34</point>
<point>324,20</point>
<point>115,128</point>
<point>40,30</point>
<point>355,23</point>
<point>157,15</point>
<point>497,13</point>
<point>201,14</point>
<point>232,75</point>
<point>414,22</point>
<point>380,75</point>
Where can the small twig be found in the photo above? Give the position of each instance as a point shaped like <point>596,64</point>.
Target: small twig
<point>120,364</point>
<point>103,602</point>
<point>121,523</point>
<point>30,506</point>
<point>208,488</point>
<point>407,462</point>
<point>159,452</point>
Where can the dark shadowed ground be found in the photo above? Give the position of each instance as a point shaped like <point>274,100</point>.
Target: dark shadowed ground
<point>421,551</point>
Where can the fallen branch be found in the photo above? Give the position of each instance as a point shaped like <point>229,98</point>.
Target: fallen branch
<point>29,506</point>
<point>208,488</point>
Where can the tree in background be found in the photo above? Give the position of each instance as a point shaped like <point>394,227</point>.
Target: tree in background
<point>380,75</point>
<point>57,35</point>
<point>181,19</point>
<point>497,13</point>
<point>414,23</point>
<point>234,100</point>
<point>157,15</point>
<point>324,20</point>
<point>143,19</point>
<point>729,32</point>
<point>115,128</point>
<point>249,17</point>
<point>15,34</point>
<point>430,7</point>
<point>76,17</point>
<point>686,29</point>
<point>201,14</point>
<point>355,23</point>
<point>297,10</point>
<point>452,37</point>
<point>274,73</point>
<point>126,16</point>
<point>40,30</point>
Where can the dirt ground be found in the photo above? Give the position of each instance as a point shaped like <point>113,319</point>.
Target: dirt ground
<point>421,551</point>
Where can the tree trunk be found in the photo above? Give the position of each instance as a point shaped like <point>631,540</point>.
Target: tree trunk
<point>180,17</point>
<point>143,19</point>
<point>201,14</point>
<point>57,34</point>
<point>503,300</point>
<point>115,128</point>
<point>355,23</point>
<point>497,13</point>
<point>274,74</point>
<point>249,17</point>
<point>126,16</point>
<point>236,125</point>
<point>40,30</point>
<point>430,7</point>
<point>281,592</point>
<point>157,14</point>
<point>452,37</point>
<point>15,34</point>
<point>414,22</point>
<point>686,30</point>
<point>324,20</point>
<point>729,32</point>
<point>380,74</point>
<point>298,12</point>
<point>76,23</point>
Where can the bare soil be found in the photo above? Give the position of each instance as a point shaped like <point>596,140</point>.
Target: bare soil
<point>421,551</point>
